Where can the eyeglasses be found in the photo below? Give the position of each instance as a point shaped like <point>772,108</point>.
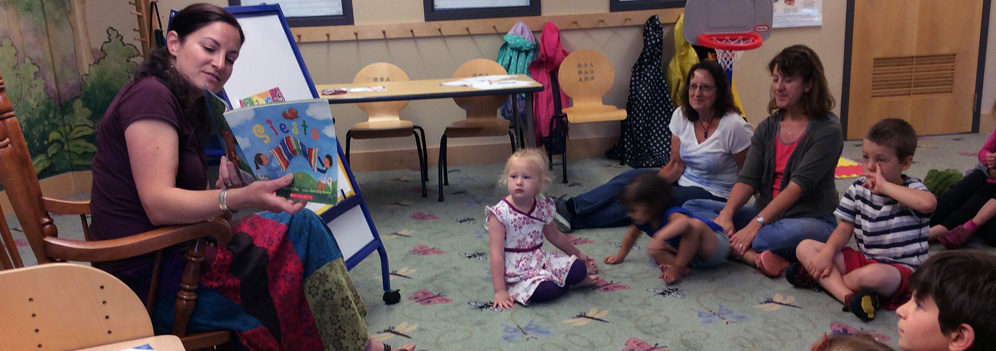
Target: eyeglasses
<point>703,88</point>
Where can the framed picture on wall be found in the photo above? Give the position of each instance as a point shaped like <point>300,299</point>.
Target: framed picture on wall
<point>309,13</point>
<point>635,5</point>
<point>444,10</point>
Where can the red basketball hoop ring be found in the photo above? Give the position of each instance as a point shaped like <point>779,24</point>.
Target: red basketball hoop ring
<point>730,41</point>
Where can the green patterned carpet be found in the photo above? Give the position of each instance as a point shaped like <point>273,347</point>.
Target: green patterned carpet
<point>438,253</point>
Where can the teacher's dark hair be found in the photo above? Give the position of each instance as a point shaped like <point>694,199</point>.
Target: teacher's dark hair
<point>801,61</point>
<point>724,95</point>
<point>160,62</point>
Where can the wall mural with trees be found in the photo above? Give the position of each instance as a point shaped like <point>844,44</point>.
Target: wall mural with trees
<point>58,80</point>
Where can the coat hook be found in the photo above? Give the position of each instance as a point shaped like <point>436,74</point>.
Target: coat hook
<point>383,32</point>
<point>356,35</point>
<point>468,30</point>
<point>496,28</point>
<point>602,21</point>
<point>440,29</point>
<point>627,20</point>
<point>328,37</point>
<point>413,32</point>
<point>298,37</point>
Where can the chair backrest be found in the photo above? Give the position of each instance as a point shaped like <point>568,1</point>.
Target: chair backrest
<point>17,174</point>
<point>380,72</point>
<point>480,106</point>
<point>64,306</point>
<point>586,76</point>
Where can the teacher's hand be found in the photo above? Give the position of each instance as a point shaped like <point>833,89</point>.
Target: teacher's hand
<point>262,195</point>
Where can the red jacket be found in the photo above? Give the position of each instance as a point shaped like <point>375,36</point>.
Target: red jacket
<point>551,54</point>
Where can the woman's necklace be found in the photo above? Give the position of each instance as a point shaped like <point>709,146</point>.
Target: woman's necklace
<point>705,128</point>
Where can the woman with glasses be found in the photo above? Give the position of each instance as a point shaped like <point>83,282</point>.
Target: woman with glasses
<point>790,167</point>
<point>709,142</point>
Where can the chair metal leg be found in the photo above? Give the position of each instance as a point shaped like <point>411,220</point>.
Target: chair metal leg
<point>421,161</point>
<point>349,135</point>
<point>563,160</point>
<point>511,137</point>
<point>622,157</point>
<point>425,153</point>
<point>442,165</point>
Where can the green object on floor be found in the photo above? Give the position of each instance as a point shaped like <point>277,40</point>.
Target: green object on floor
<point>939,181</point>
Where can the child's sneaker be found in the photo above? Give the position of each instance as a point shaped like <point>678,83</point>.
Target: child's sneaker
<point>797,275</point>
<point>562,218</point>
<point>862,304</point>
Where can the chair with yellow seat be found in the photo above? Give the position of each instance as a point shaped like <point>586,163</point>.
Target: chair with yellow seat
<point>482,114</point>
<point>586,76</point>
<point>64,306</point>
<point>19,181</point>
<point>383,118</point>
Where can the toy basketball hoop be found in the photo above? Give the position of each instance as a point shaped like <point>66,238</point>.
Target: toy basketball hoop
<point>730,46</point>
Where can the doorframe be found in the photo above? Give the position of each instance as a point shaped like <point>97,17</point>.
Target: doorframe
<point>979,76</point>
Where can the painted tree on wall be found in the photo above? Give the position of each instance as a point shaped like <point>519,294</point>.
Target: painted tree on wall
<point>60,88</point>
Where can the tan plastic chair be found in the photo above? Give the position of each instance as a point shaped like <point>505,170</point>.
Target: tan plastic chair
<point>383,118</point>
<point>17,175</point>
<point>586,76</point>
<point>482,114</point>
<point>64,306</point>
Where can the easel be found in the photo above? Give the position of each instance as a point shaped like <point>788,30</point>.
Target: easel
<point>269,40</point>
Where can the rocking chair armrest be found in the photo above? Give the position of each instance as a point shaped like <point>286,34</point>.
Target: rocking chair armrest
<point>76,207</point>
<point>217,229</point>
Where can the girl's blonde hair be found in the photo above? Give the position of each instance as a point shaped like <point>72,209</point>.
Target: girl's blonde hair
<point>535,158</point>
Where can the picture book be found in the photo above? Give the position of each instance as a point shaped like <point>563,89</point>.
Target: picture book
<point>295,137</point>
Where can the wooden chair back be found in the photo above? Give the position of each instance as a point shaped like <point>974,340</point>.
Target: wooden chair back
<point>586,76</point>
<point>9,256</point>
<point>65,306</point>
<point>480,109</point>
<point>17,175</point>
<point>381,72</point>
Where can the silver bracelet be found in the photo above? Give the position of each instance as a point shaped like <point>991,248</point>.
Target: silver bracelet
<point>223,201</point>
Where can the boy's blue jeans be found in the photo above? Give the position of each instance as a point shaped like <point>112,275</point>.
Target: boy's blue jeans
<point>780,237</point>
<point>599,207</point>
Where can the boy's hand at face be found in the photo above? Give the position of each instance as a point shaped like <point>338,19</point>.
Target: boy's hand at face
<point>876,181</point>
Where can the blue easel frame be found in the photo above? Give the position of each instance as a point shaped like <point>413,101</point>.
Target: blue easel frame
<point>390,297</point>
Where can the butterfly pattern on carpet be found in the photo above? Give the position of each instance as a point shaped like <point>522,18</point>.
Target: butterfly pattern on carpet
<point>424,250</point>
<point>480,256</point>
<point>602,285</point>
<point>592,315</point>
<point>404,233</point>
<point>465,220</point>
<point>578,241</point>
<point>426,297</point>
<point>667,292</point>
<point>838,328</point>
<point>404,272</point>
<point>776,303</point>
<point>483,306</point>
<point>722,314</point>
<point>421,216</point>
<point>528,332</point>
<point>401,330</point>
<point>634,344</point>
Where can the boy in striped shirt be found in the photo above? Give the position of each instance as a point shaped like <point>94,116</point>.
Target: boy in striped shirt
<point>888,214</point>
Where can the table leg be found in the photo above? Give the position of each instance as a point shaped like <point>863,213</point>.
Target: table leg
<point>529,124</point>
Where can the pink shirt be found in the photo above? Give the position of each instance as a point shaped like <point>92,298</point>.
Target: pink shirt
<point>988,147</point>
<point>783,151</point>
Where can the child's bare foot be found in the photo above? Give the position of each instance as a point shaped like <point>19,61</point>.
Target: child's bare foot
<point>590,280</point>
<point>377,346</point>
<point>673,273</point>
<point>592,266</point>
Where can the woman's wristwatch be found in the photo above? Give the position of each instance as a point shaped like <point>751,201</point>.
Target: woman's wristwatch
<point>759,219</point>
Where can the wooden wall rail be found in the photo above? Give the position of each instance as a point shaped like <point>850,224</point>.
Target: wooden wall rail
<point>479,26</point>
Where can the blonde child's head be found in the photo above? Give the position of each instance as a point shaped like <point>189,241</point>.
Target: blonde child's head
<point>535,159</point>
<point>860,342</point>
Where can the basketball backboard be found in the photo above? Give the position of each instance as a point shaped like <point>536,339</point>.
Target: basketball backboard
<point>727,16</point>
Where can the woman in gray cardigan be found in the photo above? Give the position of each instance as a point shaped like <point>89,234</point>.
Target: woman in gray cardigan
<point>789,167</point>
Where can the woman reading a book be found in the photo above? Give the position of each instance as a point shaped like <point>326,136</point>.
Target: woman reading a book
<point>709,141</point>
<point>150,171</point>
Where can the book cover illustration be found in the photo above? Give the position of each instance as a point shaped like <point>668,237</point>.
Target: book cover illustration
<point>296,137</point>
<point>267,97</point>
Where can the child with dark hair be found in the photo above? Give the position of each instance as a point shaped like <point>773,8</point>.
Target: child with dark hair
<point>953,304</point>
<point>888,214</point>
<point>844,342</point>
<point>678,238</point>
